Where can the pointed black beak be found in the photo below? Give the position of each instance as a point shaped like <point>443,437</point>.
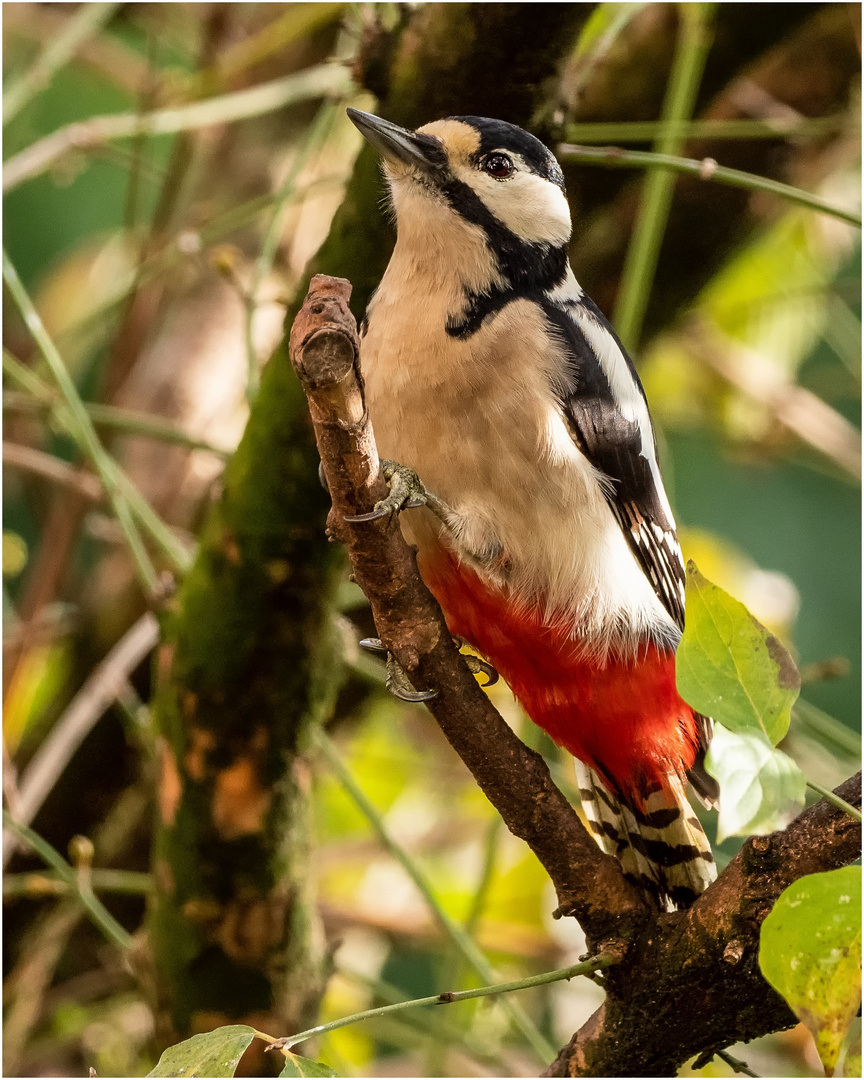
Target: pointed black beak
<point>398,144</point>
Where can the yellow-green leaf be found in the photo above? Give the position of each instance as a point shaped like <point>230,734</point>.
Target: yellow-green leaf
<point>301,1066</point>
<point>730,667</point>
<point>810,952</point>
<point>215,1053</point>
<point>761,788</point>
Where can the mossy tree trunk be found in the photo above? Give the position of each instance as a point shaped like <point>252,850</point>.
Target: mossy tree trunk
<point>248,662</point>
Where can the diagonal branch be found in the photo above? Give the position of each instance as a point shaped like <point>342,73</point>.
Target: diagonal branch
<point>324,350</point>
<point>313,82</point>
<point>693,984</point>
<point>83,711</point>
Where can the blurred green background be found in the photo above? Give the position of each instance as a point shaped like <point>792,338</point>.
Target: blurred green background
<point>139,261</point>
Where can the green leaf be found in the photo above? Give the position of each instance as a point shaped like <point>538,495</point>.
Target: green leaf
<point>215,1053</point>
<point>301,1066</point>
<point>810,952</point>
<point>761,789</point>
<point>730,667</point>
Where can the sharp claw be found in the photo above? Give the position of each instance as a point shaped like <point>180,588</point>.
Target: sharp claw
<point>373,515</point>
<point>406,493</point>
<point>413,695</point>
<point>373,644</point>
<point>399,686</point>
<point>491,675</point>
<point>475,665</point>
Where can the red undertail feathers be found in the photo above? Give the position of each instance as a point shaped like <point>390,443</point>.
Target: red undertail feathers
<point>633,737</point>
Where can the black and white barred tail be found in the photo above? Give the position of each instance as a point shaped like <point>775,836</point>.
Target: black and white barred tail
<point>661,847</point>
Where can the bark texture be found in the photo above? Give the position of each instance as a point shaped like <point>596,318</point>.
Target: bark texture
<point>248,661</point>
<point>685,983</point>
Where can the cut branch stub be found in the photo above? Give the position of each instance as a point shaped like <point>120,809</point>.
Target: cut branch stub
<point>324,348</point>
<point>323,341</point>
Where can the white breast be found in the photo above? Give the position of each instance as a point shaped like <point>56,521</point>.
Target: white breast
<point>478,422</point>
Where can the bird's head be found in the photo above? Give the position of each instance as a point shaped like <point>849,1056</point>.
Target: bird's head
<point>491,174</point>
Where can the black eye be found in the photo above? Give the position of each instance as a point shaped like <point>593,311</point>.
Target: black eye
<point>498,165</point>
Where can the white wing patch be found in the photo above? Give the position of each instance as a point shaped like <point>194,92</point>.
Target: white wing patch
<point>627,396</point>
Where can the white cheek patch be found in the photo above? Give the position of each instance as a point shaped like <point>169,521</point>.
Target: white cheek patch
<point>532,208</point>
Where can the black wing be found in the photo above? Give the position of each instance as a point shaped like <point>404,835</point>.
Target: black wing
<point>613,444</point>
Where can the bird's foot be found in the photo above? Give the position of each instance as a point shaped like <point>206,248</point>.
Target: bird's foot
<point>396,681</point>
<point>406,493</point>
<point>475,665</point>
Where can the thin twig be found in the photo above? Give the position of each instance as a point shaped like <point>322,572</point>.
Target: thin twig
<point>835,800</point>
<point>91,701</point>
<point>658,187</point>
<point>53,468</point>
<point>463,942</point>
<point>103,919</point>
<point>82,24</point>
<point>735,1064</point>
<point>320,81</point>
<point>128,421</point>
<point>131,882</point>
<point>312,143</point>
<point>432,1023</point>
<point>649,130</point>
<point>612,157</point>
<point>596,963</point>
<point>82,427</point>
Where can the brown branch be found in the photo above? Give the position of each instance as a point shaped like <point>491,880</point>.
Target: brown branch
<point>688,982</point>
<point>30,459</point>
<point>324,350</point>
<point>692,984</point>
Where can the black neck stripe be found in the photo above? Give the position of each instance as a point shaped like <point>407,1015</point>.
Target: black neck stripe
<point>529,269</point>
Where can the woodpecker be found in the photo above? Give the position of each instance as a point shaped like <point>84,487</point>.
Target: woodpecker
<point>538,513</point>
